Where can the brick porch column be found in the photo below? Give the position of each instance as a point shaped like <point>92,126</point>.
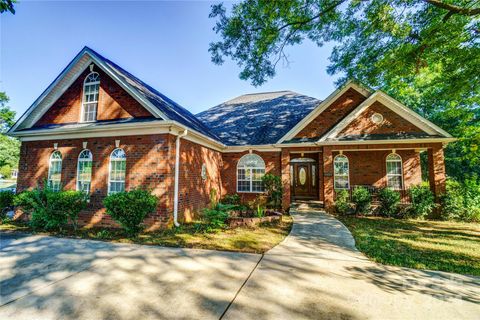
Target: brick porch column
<point>436,169</point>
<point>285,178</point>
<point>328,192</point>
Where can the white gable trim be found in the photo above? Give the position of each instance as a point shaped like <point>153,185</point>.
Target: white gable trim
<point>393,105</point>
<point>322,106</point>
<point>66,78</point>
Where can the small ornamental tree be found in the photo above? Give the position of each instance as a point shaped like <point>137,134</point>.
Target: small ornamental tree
<point>130,208</point>
<point>273,189</point>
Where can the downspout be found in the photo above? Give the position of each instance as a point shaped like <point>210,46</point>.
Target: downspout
<point>177,173</point>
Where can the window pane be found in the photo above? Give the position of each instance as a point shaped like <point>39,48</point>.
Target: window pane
<point>395,182</point>
<point>341,182</point>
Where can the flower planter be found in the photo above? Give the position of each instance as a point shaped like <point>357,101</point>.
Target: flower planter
<point>238,221</point>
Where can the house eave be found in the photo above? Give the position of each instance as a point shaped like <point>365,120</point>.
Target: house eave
<point>94,130</point>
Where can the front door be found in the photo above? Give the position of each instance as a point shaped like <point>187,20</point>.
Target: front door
<point>305,181</point>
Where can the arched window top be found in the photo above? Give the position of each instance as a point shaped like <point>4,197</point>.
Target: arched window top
<point>341,158</point>
<point>251,161</point>
<point>302,160</point>
<point>85,155</point>
<point>394,157</point>
<point>56,155</point>
<point>118,154</point>
<point>92,78</point>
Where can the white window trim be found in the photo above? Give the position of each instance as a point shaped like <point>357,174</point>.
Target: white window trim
<point>335,175</point>
<point>50,169</point>
<point>78,169</point>
<point>396,174</point>
<point>264,168</point>
<point>110,170</point>
<point>82,115</point>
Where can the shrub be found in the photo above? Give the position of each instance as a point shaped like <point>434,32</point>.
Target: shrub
<point>422,202</point>
<point>130,208</point>
<point>273,189</point>
<point>362,200</point>
<point>51,210</point>
<point>389,201</point>
<point>233,199</point>
<point>342,203</point>
<point>6,202</point>
<point>461,201</point>
<point>216,218</point>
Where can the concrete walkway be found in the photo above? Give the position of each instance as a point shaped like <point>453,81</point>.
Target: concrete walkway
<point>317,273</point>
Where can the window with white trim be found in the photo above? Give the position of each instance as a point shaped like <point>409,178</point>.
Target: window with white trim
<point>118,164</point>
<point>91,88</point>
<point>55,171</point>
<point>84,171</point>
<point>394,172</point>
<point>341,172</point>
<point>250,171</point>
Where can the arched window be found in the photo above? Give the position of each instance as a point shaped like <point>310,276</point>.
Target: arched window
<point>84,171</point>
<point>394,172</point>
<point>118,164</point>
<point>250,170</point>
<point>91,87</point>
<point>341,172</point>
<point>55,171</point>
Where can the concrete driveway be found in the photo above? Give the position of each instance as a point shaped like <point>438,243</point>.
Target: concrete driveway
<point>316,273</point>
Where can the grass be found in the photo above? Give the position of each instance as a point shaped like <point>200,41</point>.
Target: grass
<point>253,240</point>
<point>433,245</point>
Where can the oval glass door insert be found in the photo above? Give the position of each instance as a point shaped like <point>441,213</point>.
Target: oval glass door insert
<point>302,176</point>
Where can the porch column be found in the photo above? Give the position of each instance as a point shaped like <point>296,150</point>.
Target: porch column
<point>436,169</point>
<point>286,178</point>
<point>328,192</point>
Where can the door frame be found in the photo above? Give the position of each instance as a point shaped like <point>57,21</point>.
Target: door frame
<point>314,180</point>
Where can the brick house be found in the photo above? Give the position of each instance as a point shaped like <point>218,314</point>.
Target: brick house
<point>99,129</point>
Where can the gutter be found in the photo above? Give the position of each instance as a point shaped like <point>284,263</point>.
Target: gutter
<point>177,173</point>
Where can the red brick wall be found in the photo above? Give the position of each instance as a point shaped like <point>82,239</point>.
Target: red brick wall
<point>332,115</point>
<point>369,167</point>
<point>392,122</point>
<point>113,103</point>
<point>229,171</point>
<point>150,163</point>
<point>194,192</point>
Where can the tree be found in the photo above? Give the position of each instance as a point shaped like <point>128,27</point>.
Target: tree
<point>9,147</point>
<point>425,53</point>
<point>7,5</point>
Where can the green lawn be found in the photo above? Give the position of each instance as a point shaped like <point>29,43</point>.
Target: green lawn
<point>254,240</point>
<point>433,245</point>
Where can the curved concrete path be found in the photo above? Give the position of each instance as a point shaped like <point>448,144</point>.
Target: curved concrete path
<point>317,273</point>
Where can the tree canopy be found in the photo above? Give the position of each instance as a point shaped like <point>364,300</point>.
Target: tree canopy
<point>9,147</point>
<point>425,53</point>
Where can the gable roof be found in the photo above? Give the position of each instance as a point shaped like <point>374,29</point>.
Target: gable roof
<point>257,119</point>
<point>429,128</point>
<point>155,102</point>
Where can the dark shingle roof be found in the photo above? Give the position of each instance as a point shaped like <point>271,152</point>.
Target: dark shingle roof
<point>256,119</point>
<point>170,108</point>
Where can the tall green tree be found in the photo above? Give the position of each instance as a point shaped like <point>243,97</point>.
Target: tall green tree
<point>425,53</point>
<point>9,147</point>
<point>7,5</point>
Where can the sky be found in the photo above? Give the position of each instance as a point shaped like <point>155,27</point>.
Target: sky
<point>164,43</point>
